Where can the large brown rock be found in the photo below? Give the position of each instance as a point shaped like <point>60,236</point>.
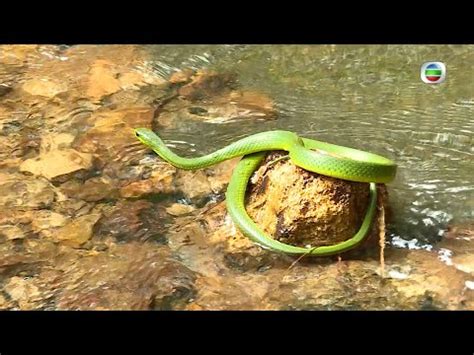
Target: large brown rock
<point>302,208</point>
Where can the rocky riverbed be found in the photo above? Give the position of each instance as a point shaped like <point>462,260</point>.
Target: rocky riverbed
<point>90,219</point>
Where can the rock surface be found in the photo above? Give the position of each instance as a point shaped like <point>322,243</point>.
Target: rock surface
<point>20,191</point>
<point>78,231</point>
<point>211,97</point>
<point>43,87</point>
<point>303,208</point>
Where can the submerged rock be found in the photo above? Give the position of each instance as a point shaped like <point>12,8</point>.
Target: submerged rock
<point>22,291</point>
<point>211,97</point>
<point>92,190</point>
<point>57,163</point>
<point>44,87</point>
<point>133,221</point>
<point>102,80</point>
<point>464,263</point>
<point>204,84</point>
<point>179,209</point>
<point>430,280</point>
<point>234,106</point>
<point>78,231</point>
<point>155,177</point>
<point>46,223</point>
<point>17,54</point>
<point>181,76</point>
<point>11,232</point>
<point>128,277</point>
<point>56,159</point>
<point>23,192</point>
<point>459,238</point>
<point>412,279</point>
<point>112,141</point>
<point>3,303</point>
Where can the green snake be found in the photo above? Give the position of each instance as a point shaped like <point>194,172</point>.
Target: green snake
<point>319,157</point>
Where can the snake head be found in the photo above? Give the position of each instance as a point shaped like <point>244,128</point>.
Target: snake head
<point>147,137</point>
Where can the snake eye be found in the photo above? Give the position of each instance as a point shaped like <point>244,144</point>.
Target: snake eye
<point>137,134</point>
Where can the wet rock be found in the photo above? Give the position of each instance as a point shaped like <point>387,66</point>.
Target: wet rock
<point>102,80</point>
<point>25,256</point>
<point>17,54</point>
<point>92,190</point>
<point>303,208</point>
<point>133,220</point>
<point>3,303</point>
<point>55,159</point>
<point>427,276</point>
<point>20,191</point>
<point>57,163</point>
<point>12,253</point>
<point>4,89</point>
<point>240,293</point>
<point>181,76</point>
<point>464,263</point>
<point>45,87</point>
<point>14,217</point>
<point>131,80</point>
<point>212,97</point>
<point>22,291</point>
<point>257,103</point>
<point>20,135</point>
<point>193,184</point>
<point>207,240</point>
<point>248,258</point>
<point>158,179</point>
<point>197,185</point>
<point>46,222</point>
<point>11,232</point>
<point>142,95</point>
<point>459,238</point>
<point>461,231</point>
<point>129,277</point>
<point>225,107</point>
<point>107,77</point>
<point>357,284</point>
<point>206,84</point>
<point>111,134</point>
<point>72,207</point>
<point>346,285</point>
<point>78,231</point>
<point>121,157</point>
<point>153,177</point>
<point>219,175</point>
<point>179,209</point>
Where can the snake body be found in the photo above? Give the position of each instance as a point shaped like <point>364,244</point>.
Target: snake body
<point>312,155</point>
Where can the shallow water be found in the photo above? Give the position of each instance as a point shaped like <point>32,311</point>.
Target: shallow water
<point>85,204</point>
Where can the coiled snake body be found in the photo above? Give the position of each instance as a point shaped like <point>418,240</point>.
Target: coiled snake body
<point>312,155</point>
